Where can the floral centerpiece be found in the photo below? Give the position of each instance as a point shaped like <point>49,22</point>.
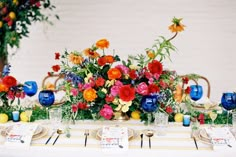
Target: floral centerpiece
<point>98,85</point>
<point>15,18</point>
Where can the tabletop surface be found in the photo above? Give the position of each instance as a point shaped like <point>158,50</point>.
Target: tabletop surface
<point>176,142</point>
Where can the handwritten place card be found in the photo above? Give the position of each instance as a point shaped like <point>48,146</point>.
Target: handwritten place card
<point>115,137</point>
<point>219,136</point>
<point>20,135</point>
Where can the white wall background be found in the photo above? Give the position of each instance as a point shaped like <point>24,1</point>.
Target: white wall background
<point>206,47</point>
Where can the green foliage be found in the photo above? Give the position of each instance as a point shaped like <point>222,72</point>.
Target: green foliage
<point>15,18</point>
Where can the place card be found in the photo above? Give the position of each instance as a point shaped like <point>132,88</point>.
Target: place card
<point>219,135</point>
<point>20,135</point>
<point>114,137</point>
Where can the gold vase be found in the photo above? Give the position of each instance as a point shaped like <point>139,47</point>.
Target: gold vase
<point>120,116</point>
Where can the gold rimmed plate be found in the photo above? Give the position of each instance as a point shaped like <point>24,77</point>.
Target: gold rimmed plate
<point>98,134</point>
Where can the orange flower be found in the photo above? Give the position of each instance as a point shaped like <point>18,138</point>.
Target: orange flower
<point>49,86</point>
<point>114,73</point>
<point>92,54</point>
<point>150,54</point>
<point>76,59</point>
<point>102,44</point>
<point>109,59</point>
<point>90,94</point>
<point>178,94</point>
<point>176,26</point>
<point>3,88</point>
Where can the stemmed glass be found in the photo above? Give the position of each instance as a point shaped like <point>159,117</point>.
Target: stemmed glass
<point>196,92</point>
<point>228,101</point>
<point>46,98</point>
<point>213,116</point>
<point>30,88</point>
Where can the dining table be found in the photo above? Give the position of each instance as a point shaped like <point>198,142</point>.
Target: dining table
<point>83,138</point>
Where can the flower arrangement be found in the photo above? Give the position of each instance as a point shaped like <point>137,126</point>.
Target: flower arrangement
<point>98,85</point>
<point>10,90</point>
<point>15,18</point>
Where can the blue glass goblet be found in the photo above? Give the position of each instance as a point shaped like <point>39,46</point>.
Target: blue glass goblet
<point>149,104</point>
<point>228,101</point>
<point>46,98</point>
<point>30,88</point>
<point>196,92</point>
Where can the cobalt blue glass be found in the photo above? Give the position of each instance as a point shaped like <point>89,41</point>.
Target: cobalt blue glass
<point>149,103</point>
<point>30,88</point>
<point>196,92</point>
<point>46,97</point>
<point>228,100</point>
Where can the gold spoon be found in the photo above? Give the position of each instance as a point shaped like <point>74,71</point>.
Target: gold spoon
<point>149,134</point>
<point>59,132</point>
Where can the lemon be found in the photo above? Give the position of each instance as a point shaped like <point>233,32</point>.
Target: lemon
<point>1,24</point>
<point>12,15</point>
<point>178,117</point>
<point>135,114</point>
<point>23,117</point>
<point>3,118</point>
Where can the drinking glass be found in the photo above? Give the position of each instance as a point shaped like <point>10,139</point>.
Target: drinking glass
<point>46,98</point>
<point>213,116</point>
<point>196,92</point>
<point>30,88</point>
<point>161,122</point>
<point>55,117</point>
<point>228,101</point>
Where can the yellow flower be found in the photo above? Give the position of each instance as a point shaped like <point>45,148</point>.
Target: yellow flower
<point>104,90</point>
<point>90,94</point>
<point>76,59</point>
<point>86,79</point>
<point>109,83</point>
<point>12,15</point>
<point>133,67</point>
<point>150,54</point>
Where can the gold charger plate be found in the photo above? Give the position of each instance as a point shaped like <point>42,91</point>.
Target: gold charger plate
<point>98,134</point>
<point>202,136</point>
<point>39,133</point>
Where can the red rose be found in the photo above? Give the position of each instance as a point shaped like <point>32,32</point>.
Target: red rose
<point>56,68</point>
<point>127,93</point>
<point>100,82</point>
<point>9,81</point>
<point>74,108</point>
<point>109,98</point>
<point>155,67</point>
<point>152,88</point>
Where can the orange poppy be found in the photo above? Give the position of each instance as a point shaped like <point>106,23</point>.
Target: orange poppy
<point>109,59</point>
<point>102,44</point>
<point>114,73</point>
<point>90,94</point>
<point>176,26</point>
<point>92,54</point>
<point>76,59</point>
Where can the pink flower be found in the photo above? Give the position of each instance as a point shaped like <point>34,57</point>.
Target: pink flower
<point>115,89</point>
<point>74,91</point>
<point>106,112</point>
<point>74,108</point>
<point>142,88</point>
<point>123,69</point>
<point>80,87</point>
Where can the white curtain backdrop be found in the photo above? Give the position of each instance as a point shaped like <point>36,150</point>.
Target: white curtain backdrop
<point>206,47</point>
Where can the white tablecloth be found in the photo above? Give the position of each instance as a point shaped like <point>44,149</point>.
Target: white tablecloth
<point>176,142</point>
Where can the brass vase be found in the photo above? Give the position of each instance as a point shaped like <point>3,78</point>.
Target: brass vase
<point>120,116</point>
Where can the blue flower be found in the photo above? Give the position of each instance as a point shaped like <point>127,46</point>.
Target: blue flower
<point>6,70</point>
